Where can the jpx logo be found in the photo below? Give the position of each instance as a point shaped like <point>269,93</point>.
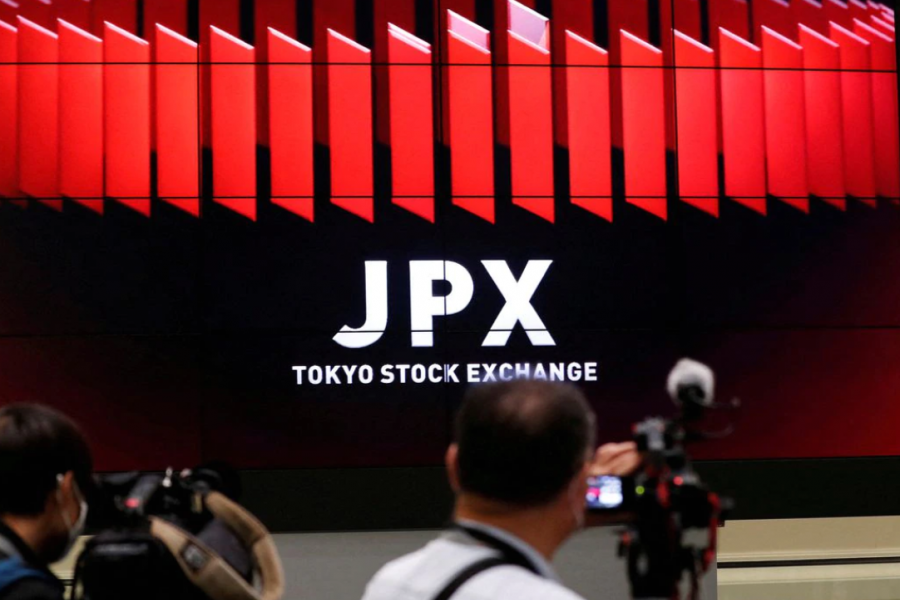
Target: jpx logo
<point>425,305</point>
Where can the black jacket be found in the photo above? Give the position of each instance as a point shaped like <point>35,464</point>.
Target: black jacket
<point>32,588</point>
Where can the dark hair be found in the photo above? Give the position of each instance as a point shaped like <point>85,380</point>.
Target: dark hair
<point>38,443</point>
<point>522,442</point>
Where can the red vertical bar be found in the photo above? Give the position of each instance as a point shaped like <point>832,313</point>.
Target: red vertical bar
<point>339,15</point>
<point>785,110</point>
<point>774,14</point>
<point>837,11</point>
<point>856,98</point>
<point>743,123</point>
<point>38,55</point>
<point>733,15</point>
<point>226,16</point>
<point>470,117</point>
<point>622,15</point>
<point>75,12</point>
<point>9,10</point>
<point>233,116</point>
<point>811,14</point>
<point>81,116</point>
<point>171,14</point>
<point>695,87</point>
<point>282,16</point>
<point>465,9</point>
<point>502,12</point>
<point>884,109</point>
<point>177,121</point>
<point>531,111</point>
<point>411,123</point>
<point>577,17</point>
<point>121,13</point>
<point>824,134</point>
<point>858,9</point>
<point>291,124</point>
<point>643,125</point>
<point>402,14</point>
<point>126,101</point>
<point>9,114</point>
<point>590,170</point>
<point>687,18</point>
<point>41,12</point>
<point>350,126</point>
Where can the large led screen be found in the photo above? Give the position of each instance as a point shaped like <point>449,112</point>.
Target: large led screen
<point>290,233</point>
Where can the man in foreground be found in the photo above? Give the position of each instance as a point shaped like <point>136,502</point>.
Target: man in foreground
<point>519,466</point>
<point>45,468</point>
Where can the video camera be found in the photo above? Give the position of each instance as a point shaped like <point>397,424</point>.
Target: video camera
<point>675,517</point>
<point>176,536</point>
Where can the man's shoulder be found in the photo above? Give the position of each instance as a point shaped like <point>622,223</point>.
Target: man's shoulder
<point>420,575</point>
<point>32,588</point>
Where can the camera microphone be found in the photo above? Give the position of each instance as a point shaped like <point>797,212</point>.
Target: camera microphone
<point>691,383</point>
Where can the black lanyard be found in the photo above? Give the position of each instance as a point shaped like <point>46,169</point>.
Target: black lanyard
<point>508,556</point>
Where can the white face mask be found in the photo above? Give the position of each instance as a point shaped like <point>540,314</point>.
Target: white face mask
<point>77,528</point>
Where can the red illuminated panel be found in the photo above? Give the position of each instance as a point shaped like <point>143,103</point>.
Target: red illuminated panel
<point>40,12</point>
<point>687,18</point>
<point>623,15</point>
<point>9,11</point>
<point>883,26</point>
<point>743,123</point>
<point>785,110</point>
<point>411,123</point>
<point>75,12</point>
<point>350,125</point>
<point>470,117</point>
<point>9,160</point>
<point>400,14</point>
<point>233,116</point>
<point>291,124</point>
<point>504,13</point>
<point>121,13</point>
<point>465,9</point>
<point>824,134</point>
<point>177,122</point>
<point>226,16</point>
<point>81,116</point>
<point>280,15</point>
<point>811,14</point>
<point>733,15</point>
<point>776,15</point>
<point>531,111</point>
<point>38,54</point>
<point>577,17</point>
<point>837,11</point>
<point>695,86</point>
<point>126,101</point>
<point>856,97</point>
<point>587,79</point>
<point>339,15</point>
<point>884,110</point>
<point>172,14</point>
<point>643,125</point>
<point>858,9</point>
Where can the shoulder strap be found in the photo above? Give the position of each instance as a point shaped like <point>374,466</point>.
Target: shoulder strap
<point>468,573</point>
<point>12,570</point>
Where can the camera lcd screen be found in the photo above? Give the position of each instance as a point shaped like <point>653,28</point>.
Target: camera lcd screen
<point>605,493</point>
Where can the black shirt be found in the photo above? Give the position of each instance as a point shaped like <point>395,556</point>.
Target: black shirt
<point>32,588</point>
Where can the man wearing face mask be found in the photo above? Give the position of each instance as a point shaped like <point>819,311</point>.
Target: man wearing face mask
<point>45,470</point>
<point>519,466</point>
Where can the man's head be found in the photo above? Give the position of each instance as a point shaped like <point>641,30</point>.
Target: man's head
<point>45,470</point>
<point>524,445</point>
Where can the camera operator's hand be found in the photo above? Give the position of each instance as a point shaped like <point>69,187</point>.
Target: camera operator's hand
<point>619,460</point>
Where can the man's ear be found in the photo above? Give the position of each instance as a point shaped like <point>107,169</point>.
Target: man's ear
<point>451,459</point>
